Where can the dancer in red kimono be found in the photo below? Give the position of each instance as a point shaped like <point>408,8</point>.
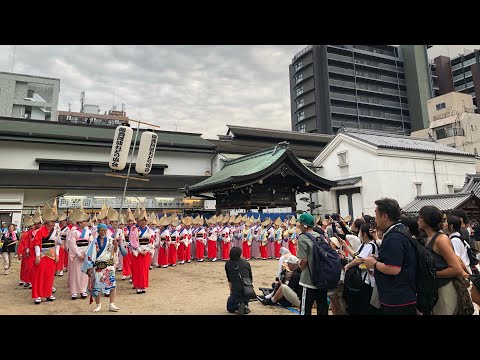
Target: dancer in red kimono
<point>46,256</point>
<point>24,255</point>
<point>141,241</point>
<point>127,260</point>
<point>163,236</point>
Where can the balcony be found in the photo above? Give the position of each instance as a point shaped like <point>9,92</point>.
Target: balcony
<point>340,83</point>
<point>343,110</point>
<point>346,59</point>
<point>340,70</point>
<point>342,97</point>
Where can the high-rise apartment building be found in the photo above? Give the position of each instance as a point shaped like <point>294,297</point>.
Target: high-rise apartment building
<point>360,86</point>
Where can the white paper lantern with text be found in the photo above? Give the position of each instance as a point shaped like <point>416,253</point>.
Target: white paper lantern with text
<point>146,152</point>
<point>120,148</point>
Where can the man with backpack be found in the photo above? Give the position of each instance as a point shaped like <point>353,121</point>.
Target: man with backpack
<point>310,292</point>
<point>395,267</point>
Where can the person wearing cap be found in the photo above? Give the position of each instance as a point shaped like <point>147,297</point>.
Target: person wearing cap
<point>288,294</point>
<point>142,240</point>
<point>100,268</point>
<point>47,251</point>
<point>475,289</point>
<point>24,253</point>
<point>78,241</point>
<point>310,292</point>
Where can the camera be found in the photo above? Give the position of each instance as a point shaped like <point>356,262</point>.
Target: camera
<point>334,216</point>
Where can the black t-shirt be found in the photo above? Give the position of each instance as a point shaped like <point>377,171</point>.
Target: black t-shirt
<point>232,268</point>
<point>400,289</point>
<point>294,282</point>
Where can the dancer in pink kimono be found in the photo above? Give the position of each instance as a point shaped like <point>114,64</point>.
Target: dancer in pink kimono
<point>78,241</point>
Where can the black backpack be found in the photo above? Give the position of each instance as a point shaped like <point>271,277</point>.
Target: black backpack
<point>426,273</point>
<point>353,276</point>
<point>326,268</point>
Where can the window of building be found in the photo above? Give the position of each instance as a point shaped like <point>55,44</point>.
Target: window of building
<point>298,78</point>
<point>30,93</point>
<point>342,158</point>
<point>28,112</point>
<point>300,116</point>
<point>418,188</point>
<point>440,106</point>
<point>301,128</point>
<point>300,103</point>
<point>299,90</point>
<point>298,66</point>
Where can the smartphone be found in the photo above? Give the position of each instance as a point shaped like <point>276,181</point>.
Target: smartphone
<point>373,225</point>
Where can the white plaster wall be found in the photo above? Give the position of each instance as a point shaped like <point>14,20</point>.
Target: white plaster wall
<point>391,173</point>
<point>22,155</point>
<point>37,114</point>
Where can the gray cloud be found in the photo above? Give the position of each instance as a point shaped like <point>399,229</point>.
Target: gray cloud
<point>198,88</point>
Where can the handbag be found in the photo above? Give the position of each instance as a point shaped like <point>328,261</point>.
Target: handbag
<point>248,290</point>
<point>353,278</point>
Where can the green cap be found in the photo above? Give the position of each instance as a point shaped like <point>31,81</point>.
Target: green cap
<point>306,219</point>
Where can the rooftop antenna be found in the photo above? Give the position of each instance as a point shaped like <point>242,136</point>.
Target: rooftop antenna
<point>82,100</point>
<point>113,106</point>
<point>69,107</point>
<point>14,53</point>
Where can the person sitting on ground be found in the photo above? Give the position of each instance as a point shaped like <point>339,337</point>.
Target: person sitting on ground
<point>288,294</point>
<point>285,254</point>
<point>235,268</point>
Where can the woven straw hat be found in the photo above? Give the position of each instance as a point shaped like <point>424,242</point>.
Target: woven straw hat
<point>80,215</point>
<point>103,213</point>
<point>62,216</point>
<point>278,221</point>
<point>219,218</point>
<point>37,217</point>
<point>142,215</point>
<point>122,220</point>
<point>130,216</point>
<point>267,222</point>
<point>112,214</point>
<point>48,214</point>
<point>28,221</point>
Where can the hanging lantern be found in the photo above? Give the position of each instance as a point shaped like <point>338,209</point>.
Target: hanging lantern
<point>120,148</point>
<point>146,152</point>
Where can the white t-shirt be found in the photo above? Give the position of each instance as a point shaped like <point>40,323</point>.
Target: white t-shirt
<point>460,249</point>
<point>367,250</point>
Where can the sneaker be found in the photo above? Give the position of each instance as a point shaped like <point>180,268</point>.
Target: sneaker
<point>139,291</point>
<point>267,302</point>
<point>74,296</point>
<point>84,295</point>
<point>26,285</point>
<point>113,308</point>
<point>164,266</point>
<point>189,261</point>
<point>107,293</point>
<point>51,298</point>
<point>214,259</point>
<point>38,301</point>
<point>201,260</point>
<point>98,308</point>
<point>60,273</point>
<point>241,309</point>
<point>150,267</point>
<point>131,281</point>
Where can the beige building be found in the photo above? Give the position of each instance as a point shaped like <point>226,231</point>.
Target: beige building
<point>452,122</point>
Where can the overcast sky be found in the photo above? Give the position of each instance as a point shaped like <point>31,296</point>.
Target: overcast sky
<point>191,88</point>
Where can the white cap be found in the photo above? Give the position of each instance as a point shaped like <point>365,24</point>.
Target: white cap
<point>293,260</point>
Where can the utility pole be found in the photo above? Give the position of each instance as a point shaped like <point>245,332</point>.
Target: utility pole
<point>14,53</point>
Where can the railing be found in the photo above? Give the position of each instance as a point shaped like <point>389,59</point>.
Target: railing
<point>300,53</point>
<point>449,132</point>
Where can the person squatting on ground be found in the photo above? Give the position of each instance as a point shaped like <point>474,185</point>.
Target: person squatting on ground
<point>234,267</point>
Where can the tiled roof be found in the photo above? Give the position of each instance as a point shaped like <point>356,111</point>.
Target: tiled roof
<point>472,183</point>
<point>349,181</point>
<point>401,142</point>
<point>258,164</point>
<point>444,202</point>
